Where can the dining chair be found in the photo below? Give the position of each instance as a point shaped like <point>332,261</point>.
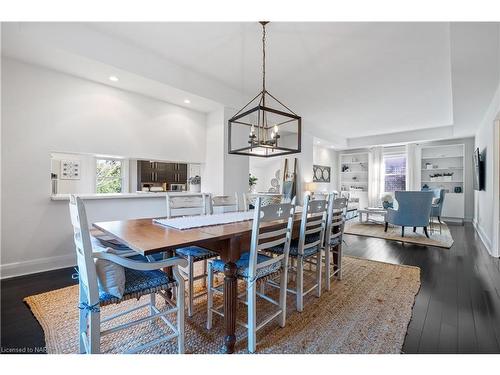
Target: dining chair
<point>256,267</point>
<point>226,202</point>
<point>307,246</point>
<point>250,198</point>
<point>333,238</point>
<point>141,278</point>
<point>320,196</point>
<point>191,204</point>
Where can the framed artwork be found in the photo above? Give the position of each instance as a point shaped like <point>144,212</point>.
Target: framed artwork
<point>70,170</point>
<point>321,173</point>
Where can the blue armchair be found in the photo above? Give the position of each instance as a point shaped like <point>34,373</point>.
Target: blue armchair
<point>437,206</point>
<point>414,208</point>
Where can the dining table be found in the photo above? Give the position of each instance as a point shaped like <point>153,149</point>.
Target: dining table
<point>229,241</point>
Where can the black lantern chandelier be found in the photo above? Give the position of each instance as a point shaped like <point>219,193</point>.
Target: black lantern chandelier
<point>264,127</point>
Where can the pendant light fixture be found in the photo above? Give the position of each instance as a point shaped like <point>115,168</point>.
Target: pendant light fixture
<point>264,127</point>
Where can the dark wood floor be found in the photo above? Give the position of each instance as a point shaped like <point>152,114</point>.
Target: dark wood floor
<point>457,309</point>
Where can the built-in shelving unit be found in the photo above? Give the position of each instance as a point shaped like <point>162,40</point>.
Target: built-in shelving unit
<point>354,172</point>
<point>442,167</point>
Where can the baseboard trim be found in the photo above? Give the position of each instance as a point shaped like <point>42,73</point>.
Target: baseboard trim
<point>10,270</point>
<point>484,238</point>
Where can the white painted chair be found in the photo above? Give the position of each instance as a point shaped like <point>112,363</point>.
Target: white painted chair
<point>307,247</point>
<point>255,267</point>
<point>250,198</point>
<point>226,202</point>
<point>142,278</point>
<point>320,196</point>
<point>186,205</point>
<point>333,238</point>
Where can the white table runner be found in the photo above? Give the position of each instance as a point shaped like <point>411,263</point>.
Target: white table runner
<point>188,222</point>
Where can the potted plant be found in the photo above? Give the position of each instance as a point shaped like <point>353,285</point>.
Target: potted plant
<point>194,184</point>
<point>252,181</point>
<point>387,200</point>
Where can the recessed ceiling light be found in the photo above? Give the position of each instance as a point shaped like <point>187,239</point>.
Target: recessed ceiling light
<point>187,101</point>
<point>113,78</point>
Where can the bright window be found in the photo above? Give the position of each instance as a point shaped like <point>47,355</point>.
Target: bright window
<point>394,173</point>
<point>109,176</point>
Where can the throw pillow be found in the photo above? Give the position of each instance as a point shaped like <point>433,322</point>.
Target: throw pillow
<point>110,276</point>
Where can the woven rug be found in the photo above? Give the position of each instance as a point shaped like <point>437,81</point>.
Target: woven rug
<point>373,229</point>
<point>368,311</point>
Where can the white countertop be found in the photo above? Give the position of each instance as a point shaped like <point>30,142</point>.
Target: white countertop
<point>65,197</point>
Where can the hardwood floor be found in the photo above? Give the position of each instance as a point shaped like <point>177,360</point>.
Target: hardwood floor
<point>457,309</point>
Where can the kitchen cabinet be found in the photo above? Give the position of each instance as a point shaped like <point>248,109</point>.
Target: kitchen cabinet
<point>160,172</point>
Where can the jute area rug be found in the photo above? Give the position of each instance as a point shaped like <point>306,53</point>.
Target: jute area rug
<point>368,311</point>
<point>373,229</point>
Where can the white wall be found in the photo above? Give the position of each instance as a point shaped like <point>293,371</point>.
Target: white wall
<point>264,169</point>
<point>326,157</point>
<point>235,166</point>
<point>222,173</point>
<point>45,111</point>
<point>487,202</point>
<point>211,171</point>
<point>485,219</point>
<point>85,184</point>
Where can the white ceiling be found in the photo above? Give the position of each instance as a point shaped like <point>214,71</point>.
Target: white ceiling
<point>346,80</point>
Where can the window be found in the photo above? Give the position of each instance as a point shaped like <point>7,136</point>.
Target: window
<point>394,173</point>
<point>109,173</point>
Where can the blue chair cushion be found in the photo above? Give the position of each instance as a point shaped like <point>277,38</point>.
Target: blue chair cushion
<point>294,247</point>
<point>198,253</point>
<point>335,241</point>
<point>137,284</point>
<point>108,242</point>
<point>242,264</point>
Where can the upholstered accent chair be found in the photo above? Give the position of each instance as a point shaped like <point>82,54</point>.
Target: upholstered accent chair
<point>414,209</point>
<point>100,271</point>
<point>437,202</point>
<point>256,267</point>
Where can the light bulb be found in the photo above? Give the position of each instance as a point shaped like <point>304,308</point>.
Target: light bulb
<point>276,129</point>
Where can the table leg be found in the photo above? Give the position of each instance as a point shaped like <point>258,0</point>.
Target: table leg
<point>360,217</point>
<point>168,271</point>
<point>230,301</point>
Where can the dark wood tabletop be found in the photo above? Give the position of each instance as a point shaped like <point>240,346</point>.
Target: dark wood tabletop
<point>228,240</point>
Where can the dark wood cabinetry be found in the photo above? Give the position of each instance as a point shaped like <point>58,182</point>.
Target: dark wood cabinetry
<point>158,172</point>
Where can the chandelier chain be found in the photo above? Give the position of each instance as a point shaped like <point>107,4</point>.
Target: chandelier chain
<point>263,56</point>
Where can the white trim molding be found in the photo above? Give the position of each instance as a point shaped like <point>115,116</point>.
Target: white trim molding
<point>9,270</point>
<point>484,238</point>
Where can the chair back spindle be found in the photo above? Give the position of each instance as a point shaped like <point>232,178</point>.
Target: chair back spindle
<point>335,218</point>
<point>312,224</point>
<point>282,212</point>
<point>83,245</point>
<point>187,204</point>
<point>227,202</point>
<point>250,199</point>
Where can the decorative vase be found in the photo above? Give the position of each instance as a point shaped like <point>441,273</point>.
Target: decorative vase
<point>251,189</point>
<point>387,205</point>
